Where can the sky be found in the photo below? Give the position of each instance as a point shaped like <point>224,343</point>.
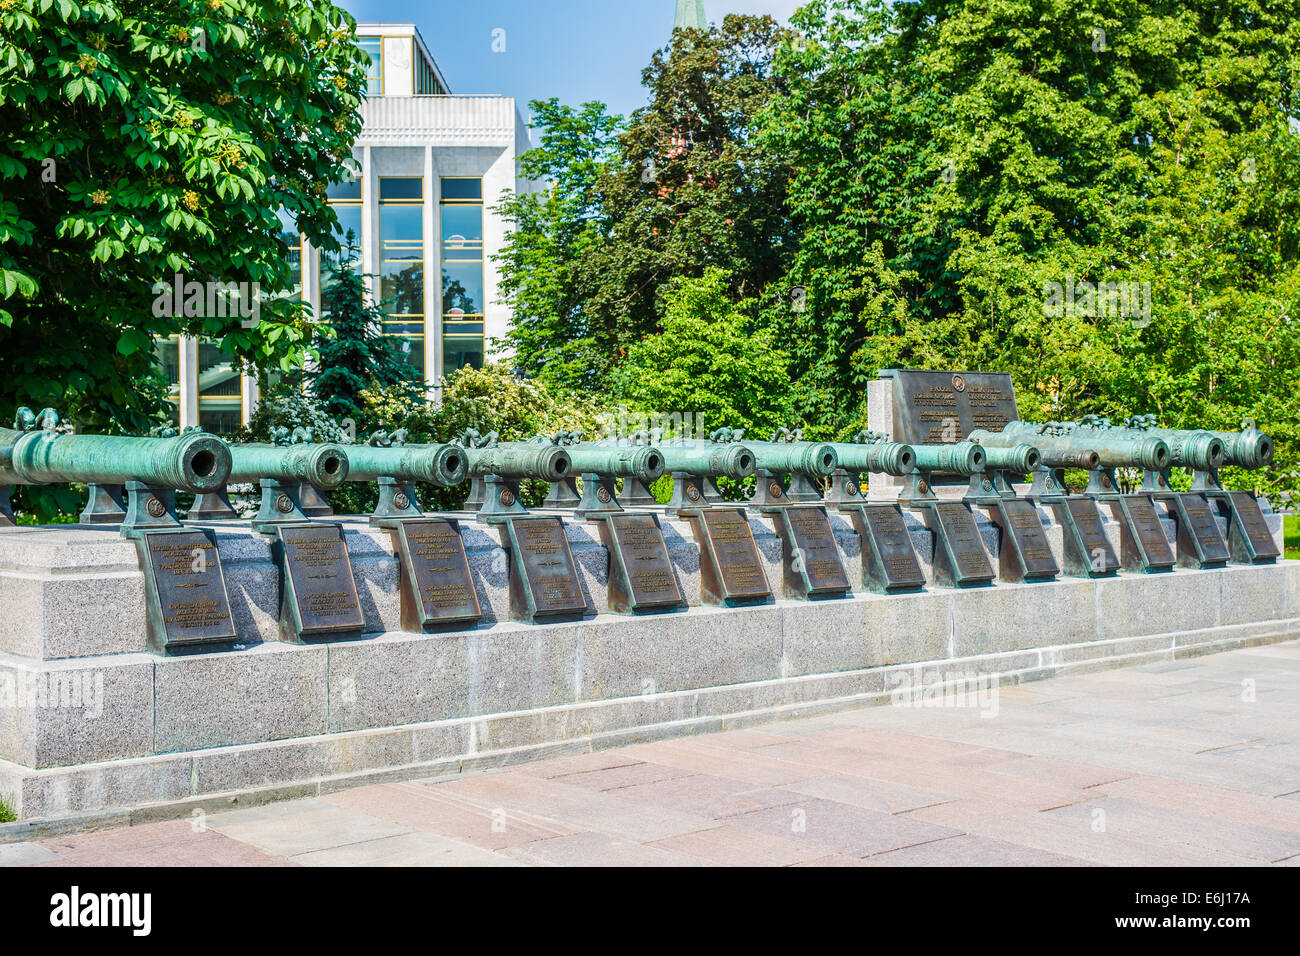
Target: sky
<point>576,50</point>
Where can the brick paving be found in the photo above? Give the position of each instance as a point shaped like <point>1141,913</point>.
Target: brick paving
<point>1193,762</point>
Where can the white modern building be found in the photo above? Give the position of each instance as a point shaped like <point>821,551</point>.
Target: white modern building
<point>430,165</point>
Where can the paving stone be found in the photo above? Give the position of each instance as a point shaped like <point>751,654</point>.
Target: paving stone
<point>731,845</point>
<point>436,810</point>
<point>710,797</point>
<point>869,794</point>
<point>967,850</point>
<point>597,849</point>
<point>25,854</point>
<point>406,849</point>
<point>840,828</point>
<point>301,826</point>
<point>1182,827</point>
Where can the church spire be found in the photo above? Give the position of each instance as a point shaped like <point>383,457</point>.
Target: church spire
<point>690,15</point>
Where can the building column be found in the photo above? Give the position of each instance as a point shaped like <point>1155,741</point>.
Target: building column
<point>369,221</point>
<point>250,395</point>
<point>188,358</point>
<point>432,279</point>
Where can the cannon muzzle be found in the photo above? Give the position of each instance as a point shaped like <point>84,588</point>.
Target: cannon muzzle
<point>964,458</point>
<point>710,460</point>
<point>887,458</point>
<point>810,459</point>
<point>1117,448</point>
<point>1018,459</point>
<point>324,466</point>
<point>643,462</point>
<point>1246,449</point>
<point>195,462</point>
<point>443,465</point>
<point>520,460</point>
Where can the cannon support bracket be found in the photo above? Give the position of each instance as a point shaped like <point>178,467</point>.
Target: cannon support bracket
<point>598,496</point>
<point>212,506</point>
<point>148,508</point>
<point>397,500</point>
<point>281,504</point>
<point>104,505</point>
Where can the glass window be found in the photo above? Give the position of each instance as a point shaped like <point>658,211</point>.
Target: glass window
<point>456,189</point>
<point>395,189</point>
<point>461,233</point>
<point>374,47</point>
<point>221,391</point>
<point>293,239</point>
<point>168,352</point>
<point>401,268</point>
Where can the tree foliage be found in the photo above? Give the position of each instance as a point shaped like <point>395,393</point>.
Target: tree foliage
<point>709,359</point>
<point>141,140</point>
<point>354,353</point>
<point>551,231</point>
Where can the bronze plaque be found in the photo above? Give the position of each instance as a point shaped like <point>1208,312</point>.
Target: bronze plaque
<point>958,543</point>
<point>1149,533</point>
<point>1210,547</point>
<point>185,579</point>
<point>319,591</point>
<point>543,578</point>
<point>889,561</point>
<point>942,408</point>
<point>1262,545</point>
<point>1098,553</point>
<point>813,567</point>
<point>731,571</point>
<point>1025,553</point>
<point>640,574</point>
<point>437,590</point>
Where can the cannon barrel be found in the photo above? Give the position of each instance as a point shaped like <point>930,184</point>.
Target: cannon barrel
<point>520,460</point>
<point>1246,449</point>
<point>324,466</point>
<point>195,462</point>
<point>1018,459</point>
<point>710,460</point>
<point>887,458</point>
<point>964,458</point>
<point>1065,458</point>
<point>443,465</point>
<point>1115,450</point>
<point>643,462</point>
<point>811,459</point>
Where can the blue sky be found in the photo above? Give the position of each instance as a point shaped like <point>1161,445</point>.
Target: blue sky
<point>576,50</point>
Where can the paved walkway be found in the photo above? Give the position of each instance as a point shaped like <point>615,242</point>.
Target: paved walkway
<point>1193,762</point>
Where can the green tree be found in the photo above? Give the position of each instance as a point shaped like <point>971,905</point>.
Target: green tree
<point>709,360</point>
<point>959,164</point>
<point>551,231</point>
<point>140,141</point>
<point>693,188</point>
<point>354,353</point>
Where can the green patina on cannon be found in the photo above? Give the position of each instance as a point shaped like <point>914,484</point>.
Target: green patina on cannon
<point>1006,465</point>
<point>1062,441</point>
<point>1200,543</point>
<point>807,463</point>
<point>966,459</point>
<point>34,452</point>
<point>868,453</point>
<point>695,467</point>
<point>395,466</point>
<point>600,466</point>
<point>281,471</point>
<point>1249,539</point>
<point>496,468</point>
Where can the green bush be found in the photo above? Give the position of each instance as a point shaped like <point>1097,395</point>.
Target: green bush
<point>1291,532</point>
<point>7,814</point>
